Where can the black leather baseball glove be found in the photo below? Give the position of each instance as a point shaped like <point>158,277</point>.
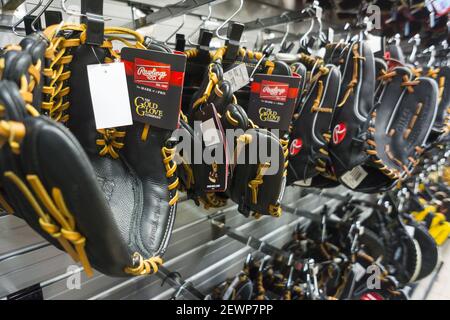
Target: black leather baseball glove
<point>310,136</point>
<point>90,192</point>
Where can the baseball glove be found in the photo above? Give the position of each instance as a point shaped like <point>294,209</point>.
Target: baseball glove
<point>88,191</point>
<point>308,151</point>
<point>248,185</point>
<point>350,119</point>
<point>398,129</point>
<point>441,125</point>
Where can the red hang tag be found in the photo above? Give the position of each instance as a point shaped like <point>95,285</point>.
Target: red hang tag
<point>155,84</point>
<point>272,100</point>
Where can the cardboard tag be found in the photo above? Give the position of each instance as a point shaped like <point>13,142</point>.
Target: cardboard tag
<point>212,176</point>
<point>330,35</point>
<point>238,77</point>
<point>375,43</point>
<point>354,177</point>
<point>109,94</point>
<point>272,100</point>
<point>359,271</point>
<point>155,84</point>
<point>211,135</point>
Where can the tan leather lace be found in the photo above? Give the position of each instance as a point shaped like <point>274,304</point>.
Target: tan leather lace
<point>386,76</point>
<point>417,72</point>
<point>144,266</point>
<point>261,292</point>
<point>433,72</point>
<point>109,142</point>
<point>316,104</point>
<point>70,239</point>
<point>171,167</point>
<point>258,180</point>
<point>351,86</point>
<point>55,101</point>
<point>212,82</point>
<point>409,84</point>
<point>441,84</point>
<point>13,133</point>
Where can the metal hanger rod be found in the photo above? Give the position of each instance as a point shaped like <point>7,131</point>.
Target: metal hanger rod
<point>171,11</point>
<point>276,20</point>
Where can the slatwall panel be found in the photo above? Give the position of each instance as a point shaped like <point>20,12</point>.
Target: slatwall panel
<point>26,259</point>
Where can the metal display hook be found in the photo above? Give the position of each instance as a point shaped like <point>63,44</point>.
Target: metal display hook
<point>38,16</point>
<point>416,40</point>
<point>178,29</point>
<point>219,28</point>
<point>15,25</point>
<point>189,39</point>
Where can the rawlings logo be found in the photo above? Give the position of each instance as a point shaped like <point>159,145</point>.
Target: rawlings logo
<point>296,146</point>
<point>371,296</point>
<point>339,133</point>
<point>276,91</point>
<point>152,74</point>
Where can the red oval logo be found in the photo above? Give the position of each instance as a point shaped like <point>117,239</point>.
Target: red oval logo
<point>371,296</point>
<point>296,146</point>
<point>339,133</point>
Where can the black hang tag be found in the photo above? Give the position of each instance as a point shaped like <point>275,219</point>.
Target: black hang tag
<point>155,84</point>
<point>212,175</point>
<point>52,17</point>
<point>272,100</point>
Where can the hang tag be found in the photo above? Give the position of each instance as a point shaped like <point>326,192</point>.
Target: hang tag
<point>211,175</point>
<point>155,83</point>
<point>374,42</point>
<point>304,183</point>
<point>359,271</point>
<point>109,94</point>
<point>330,35</point>
<point>442,7</point>
<point>354,177</point>
<point>210,133</point>
<point>432,19</point>
<point>238,77</point>
<point>411,230</point>
<point>407,29</point>
<point>272,100</point>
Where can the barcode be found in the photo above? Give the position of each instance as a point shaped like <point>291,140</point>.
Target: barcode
<point>354,177</point>
<point>238,77</point>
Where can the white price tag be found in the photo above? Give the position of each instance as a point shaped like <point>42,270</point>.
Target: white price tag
<point>359,271</point>
<point>374,42</point>
<point>330,35</point>
<point>411,230</point>
<point>238,77</point>
<point>305,183</point>
<point>209,132</point>
<point>109,94</point>
<point>354,177</point>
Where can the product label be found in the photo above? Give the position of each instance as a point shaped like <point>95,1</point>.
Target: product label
<point>237,76</point>
<point>354,177</point>
<point>109,94</point>
<point>155,83</point>
<point>272,100</point>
